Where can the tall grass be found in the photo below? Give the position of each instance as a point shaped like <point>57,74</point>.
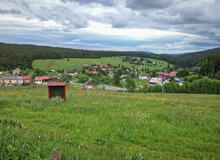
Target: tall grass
<point>96,124</point>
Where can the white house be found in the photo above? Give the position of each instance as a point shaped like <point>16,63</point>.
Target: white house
<point>88,85</point>
<point>156,81</point>
<point>142,76</point>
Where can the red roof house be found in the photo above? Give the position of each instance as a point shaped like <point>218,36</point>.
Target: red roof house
<point>40,80</point>
<point>26,79</point>
<point>92,72</point>
<point>167,75</point>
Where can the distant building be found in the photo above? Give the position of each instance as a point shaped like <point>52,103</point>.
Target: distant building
<point>109,67</point>
<point>94,66</point>
<point>194,69</point>
<point>26,79</point>
<point>167,75</point>
<point>92,72</point>
<point>88,85</point>
<point>11,80</point>
<point>155,81</point>
<point>111,74</point>
<point>72,73</point>
<point>180,82</point>
<point>85,66</point>
<point>16,72</point>
<point>142,76</point>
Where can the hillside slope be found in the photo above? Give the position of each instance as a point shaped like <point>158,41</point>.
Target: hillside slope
<point>191,59</point>
<point>14,55</point>
<point>21,55</point>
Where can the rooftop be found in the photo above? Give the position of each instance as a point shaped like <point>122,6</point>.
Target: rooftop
<point>56,84</point>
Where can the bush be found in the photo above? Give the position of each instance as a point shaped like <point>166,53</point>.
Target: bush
<point>130,85</point>
<point>83,78</point>
<point>172,87</point>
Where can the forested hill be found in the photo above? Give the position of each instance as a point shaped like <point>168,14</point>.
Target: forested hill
<point>194,58</point>
<point>13,55</point>
<point>20,55</point>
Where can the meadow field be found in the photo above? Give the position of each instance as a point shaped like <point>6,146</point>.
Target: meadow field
<point>76,63</point>
<point>98,124</point>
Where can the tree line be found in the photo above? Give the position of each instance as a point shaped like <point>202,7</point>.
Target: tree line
<point>204,86</point>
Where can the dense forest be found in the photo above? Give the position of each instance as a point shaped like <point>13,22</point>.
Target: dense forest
<point>14,55</point>
<point>19,55</point>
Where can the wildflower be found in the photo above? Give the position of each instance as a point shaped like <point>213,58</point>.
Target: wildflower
<point>59,155</point>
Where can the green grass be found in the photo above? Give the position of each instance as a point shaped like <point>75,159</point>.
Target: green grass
<point>4,73</point>
<point>99,124</point>
<point>76,63</point>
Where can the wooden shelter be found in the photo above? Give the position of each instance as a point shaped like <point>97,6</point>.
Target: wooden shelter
<point>57,89</point>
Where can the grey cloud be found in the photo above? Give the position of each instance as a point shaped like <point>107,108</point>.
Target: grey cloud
<point>13,11</point>
<point>187,16</point>
<point>103,2</point>
<point>149,4</point>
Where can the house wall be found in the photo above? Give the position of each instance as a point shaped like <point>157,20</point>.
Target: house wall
<point>38,82</point>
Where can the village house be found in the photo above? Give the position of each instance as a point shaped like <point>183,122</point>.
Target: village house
<point>155,81</point>
<point>92,72</point>
<point>11,80</point>
<point>72,73</point>
<point>194,69</point>
<point>109,67</point>
<point>167,75</point>
<point>94,66</point>
<point>88,85</point>
<point>101,65</point>
<point>16,72</point>
<point>26,79</point>
<point>142,76</point>
<point>85,66</point>
<point>41,80</point>
<point>111,74</point>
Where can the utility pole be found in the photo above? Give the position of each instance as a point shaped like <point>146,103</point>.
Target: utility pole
<point>123,85</point>
<point>162,86</point>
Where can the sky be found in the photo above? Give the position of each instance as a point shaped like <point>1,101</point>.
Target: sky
<point>159,26</point>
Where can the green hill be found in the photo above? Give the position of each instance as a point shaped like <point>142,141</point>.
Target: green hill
<point>20,55</point>
<point>76,63</point>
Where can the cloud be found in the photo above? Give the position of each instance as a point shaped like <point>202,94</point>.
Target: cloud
<point>149,4</point>
<point>172,25</point>
<point>103,2</point>
<point>132,33</point>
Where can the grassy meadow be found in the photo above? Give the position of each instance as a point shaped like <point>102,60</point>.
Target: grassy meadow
<point>76,63</point>
<point>97,124</point>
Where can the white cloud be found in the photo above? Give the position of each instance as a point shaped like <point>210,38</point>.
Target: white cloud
<point>132,33</point>
<point>10,22</point>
